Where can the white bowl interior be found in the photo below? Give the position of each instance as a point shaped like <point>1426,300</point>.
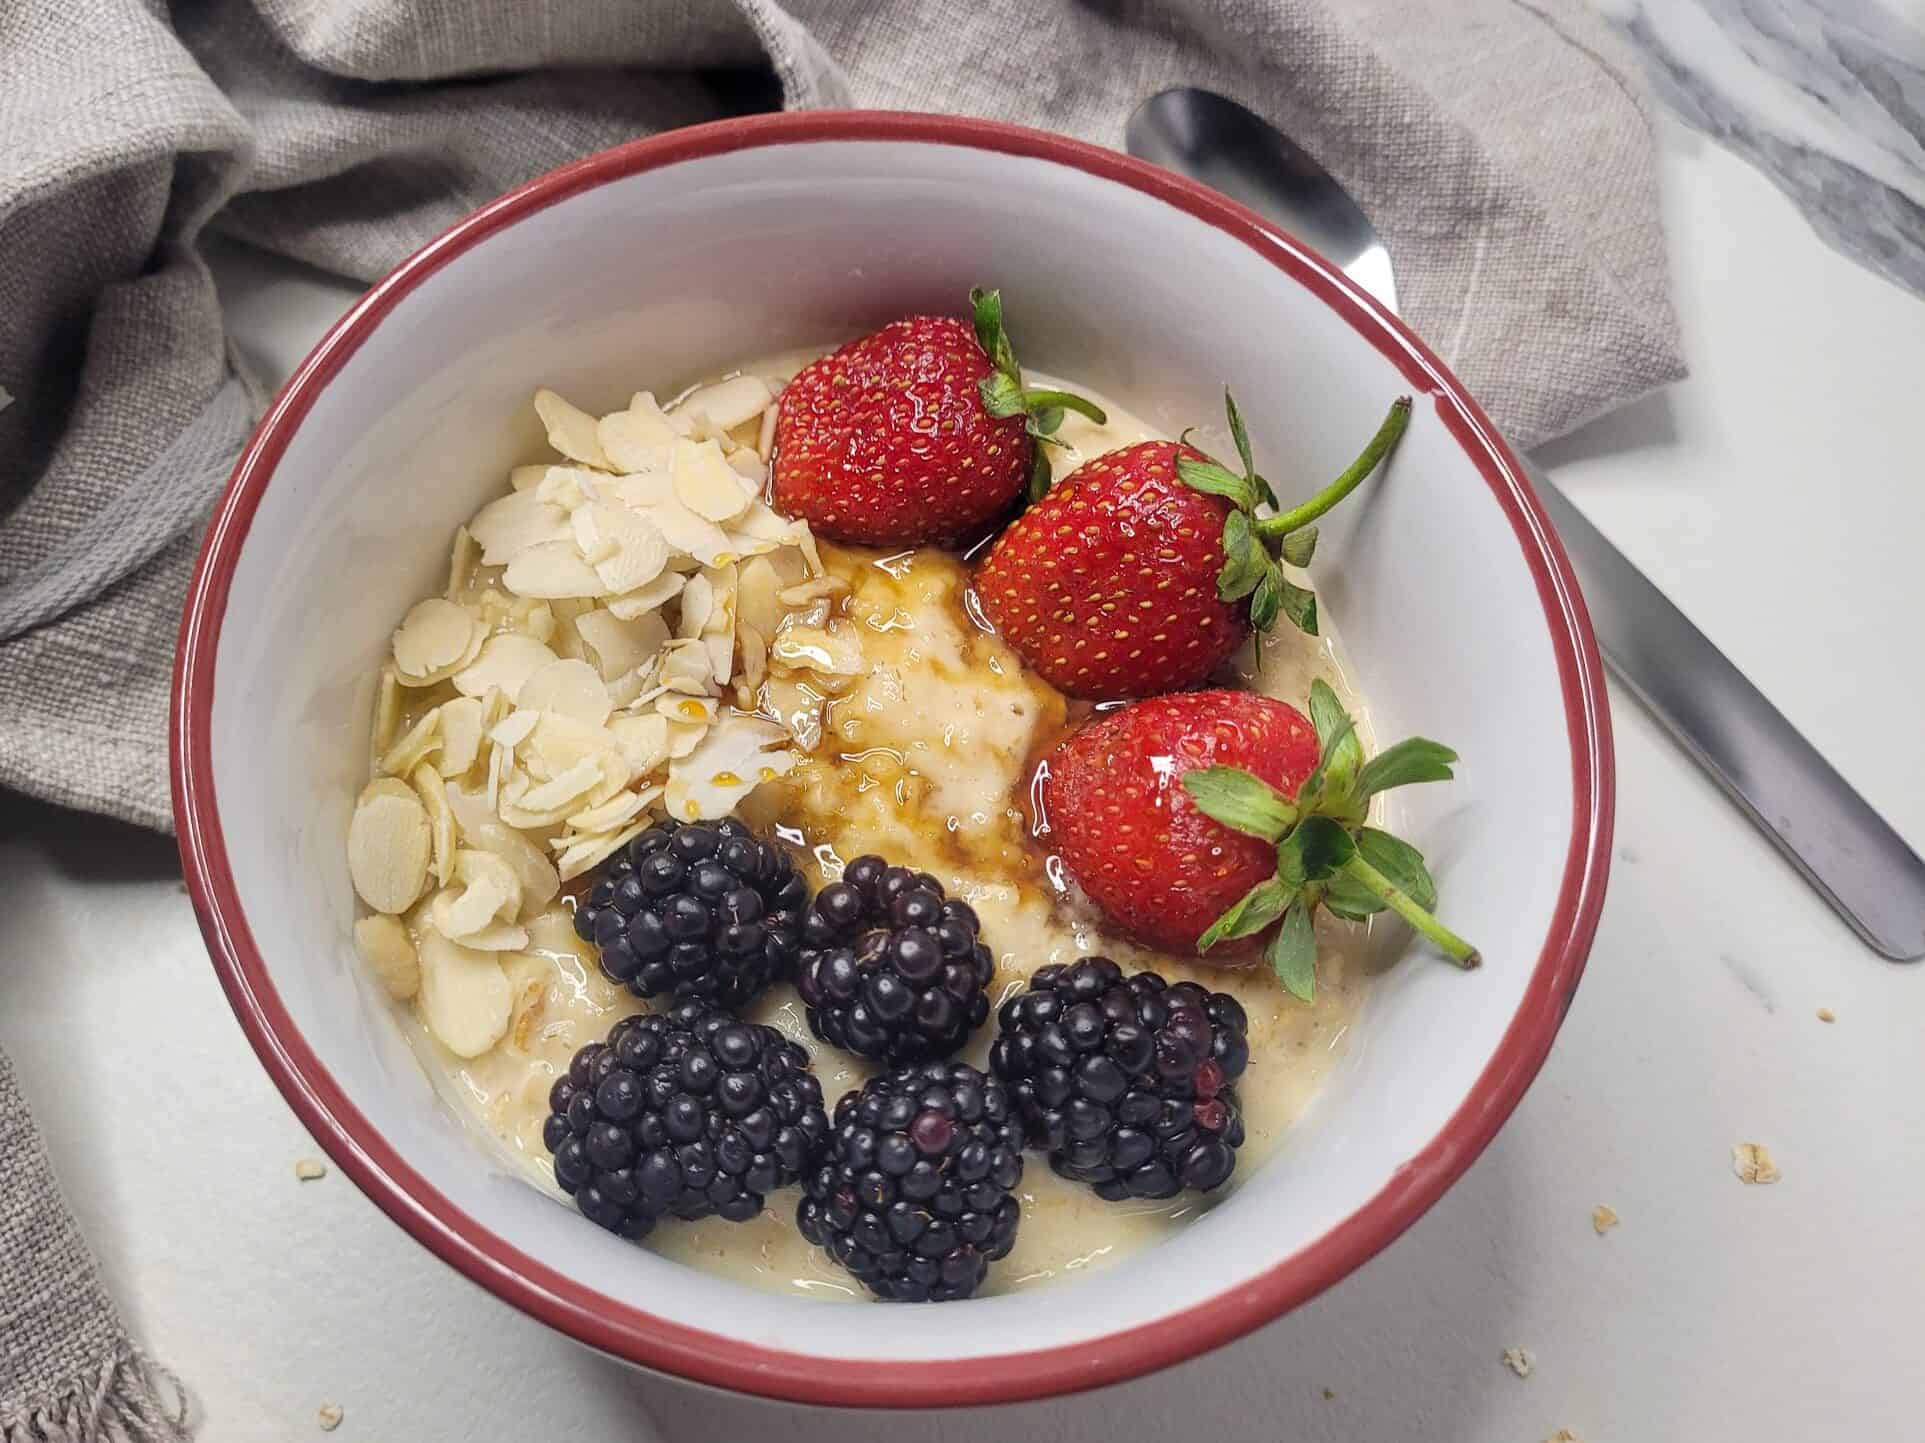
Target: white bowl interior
<point>659,278</point>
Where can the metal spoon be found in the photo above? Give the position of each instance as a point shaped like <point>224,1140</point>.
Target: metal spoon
<point>1830,833</point>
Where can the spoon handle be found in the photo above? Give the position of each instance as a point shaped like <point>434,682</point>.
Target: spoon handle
<point>1854,858</point>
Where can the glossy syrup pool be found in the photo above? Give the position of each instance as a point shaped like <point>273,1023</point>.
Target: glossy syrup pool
<point>928,759</point>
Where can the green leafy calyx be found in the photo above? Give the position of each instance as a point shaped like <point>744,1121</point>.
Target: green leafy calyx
<point>1254,547</point>
<point>1326,855</point>
<point>1004,394</point>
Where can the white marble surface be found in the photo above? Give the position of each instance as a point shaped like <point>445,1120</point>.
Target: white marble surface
<point>1827,97</point>
<point>1771,495</point>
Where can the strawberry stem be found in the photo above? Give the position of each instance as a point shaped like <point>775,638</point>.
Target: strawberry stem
<point>1405,906</point>
<point>1039,400</point>
<point>1272,528</point>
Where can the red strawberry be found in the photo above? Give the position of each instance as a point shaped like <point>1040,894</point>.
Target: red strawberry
<point>919,433</point>
<point>1130,835</point>
<point>1209,817</point>
<point>1147,567</point>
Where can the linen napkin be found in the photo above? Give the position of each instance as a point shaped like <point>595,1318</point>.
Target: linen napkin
<point>1502,148</point>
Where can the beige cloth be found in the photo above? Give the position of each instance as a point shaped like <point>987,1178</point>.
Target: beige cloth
<point>1501,146</point>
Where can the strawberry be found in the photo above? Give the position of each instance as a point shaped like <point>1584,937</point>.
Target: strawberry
<point>1204,818</point>
<point>920,433</point>
<point>1147,567</point>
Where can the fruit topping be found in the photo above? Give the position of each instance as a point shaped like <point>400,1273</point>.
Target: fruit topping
<point>687,1112</point>
<point>1145,568</point>
<point>915,1194</point>
<point>697,910</point>
<point>921,432</point>
<point>890,969</point>
<point>1125,1081</point>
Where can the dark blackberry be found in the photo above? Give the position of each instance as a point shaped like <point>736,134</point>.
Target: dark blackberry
<point>916,1192</point>
<point>1125,1081</point>
<point>699,909</point>
<point>890,969</point>
<point>687,1112</point>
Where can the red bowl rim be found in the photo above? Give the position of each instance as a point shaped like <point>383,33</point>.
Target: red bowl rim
<point>661,1343</point>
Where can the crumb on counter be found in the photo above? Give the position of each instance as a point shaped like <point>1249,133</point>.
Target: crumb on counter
<point>1603,1218</point>
<point>329,1416</point>
<point>310,1169</point>
<point>1825,1014</point>
<point>1753,1163</point>
<point>1563,1435</point>
<point>1328,1394</point>
<point>1519,1361</point>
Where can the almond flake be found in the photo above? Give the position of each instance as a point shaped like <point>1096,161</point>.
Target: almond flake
<point>727,404</point>
<point>621,647</point>
<point>571,430</point>
<point>552,569</point>
<point>570,486</point>
<point>757,602</point>
<point>755,655</point>
<point>689,533</point>
<point>730,761</point>
<point>489,893</point>
<point>385,946</point>
<point>526,478</point>
<point>418,743</point>
<point>461,730</point>
<point>643,740</point>
<point>435,639</point>
<point>765,434</point>
<point>514,729</point>
<point>698,709</point>
<point>1753,1163</point>
<point>496,937</point>
<point>697,599</point>
<point>638,439</point>
<point>387,711</point>
<point>567,688</point>
<point>428,786</point>
<point>592,851</point>
<point>635,604</point>
<point>686,667</point>
<point>706,483</point>
<point>564,789</point>
<point>505,661</point>
<point>509,525</point>
<point>626,549</point>
<point>750,467</point>
<point>390,844</point>
<point>465,996</point>
<point>532,870</point>
<point>609,815</point>
<point>461,562</point>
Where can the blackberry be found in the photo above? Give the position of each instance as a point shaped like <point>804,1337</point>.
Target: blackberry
<point>916,1193</point>
<point>1126,1081</point>
<point>688,1112</point>
<point>889,968</point>
<point>699,909</point>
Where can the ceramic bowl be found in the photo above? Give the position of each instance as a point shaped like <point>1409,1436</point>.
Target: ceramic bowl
<point>667,259</point>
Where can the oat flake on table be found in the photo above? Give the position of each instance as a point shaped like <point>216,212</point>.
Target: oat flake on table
<point>1753,1163</point>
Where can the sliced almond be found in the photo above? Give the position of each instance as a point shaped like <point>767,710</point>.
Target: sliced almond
<point>697,599</point>
<point>754,653</point>
<point>750,467</point>
<point>428,786</point>
<point>552,569</point>
<point>511,524</point>
<point>505,661</point>
<point>706,483</point>
<point>385,946</point>
<point>684,737</point>
<point>485,891</point>
<point>619,647</point>
<point>626,549</point>
<point>732,759</point>
<point>609,816</point>
<point>643,740</point>
<point>435,639</point>
<point>532,869</point>
<point>387,711</point>
<point>461,731</point>
<point>415,746</point>
<point>497,937</point>
<point>461,563</point>
<point>765,433</point>
<point>514,729</point>
<point>691,534</point>
<point>557,742</point>
<point>571,430</point>
<point>390,844</point>
<point>634,604</point>
<point>567,688</point>
<point>570,486</point>
<point>526,478</point>
<point>465,996</point>
<point>592,851</point>
<point>638,439</point>
<point>727,404</point>
<point>686,709</point>
<point>686,668</point>
<point>756,596</point>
